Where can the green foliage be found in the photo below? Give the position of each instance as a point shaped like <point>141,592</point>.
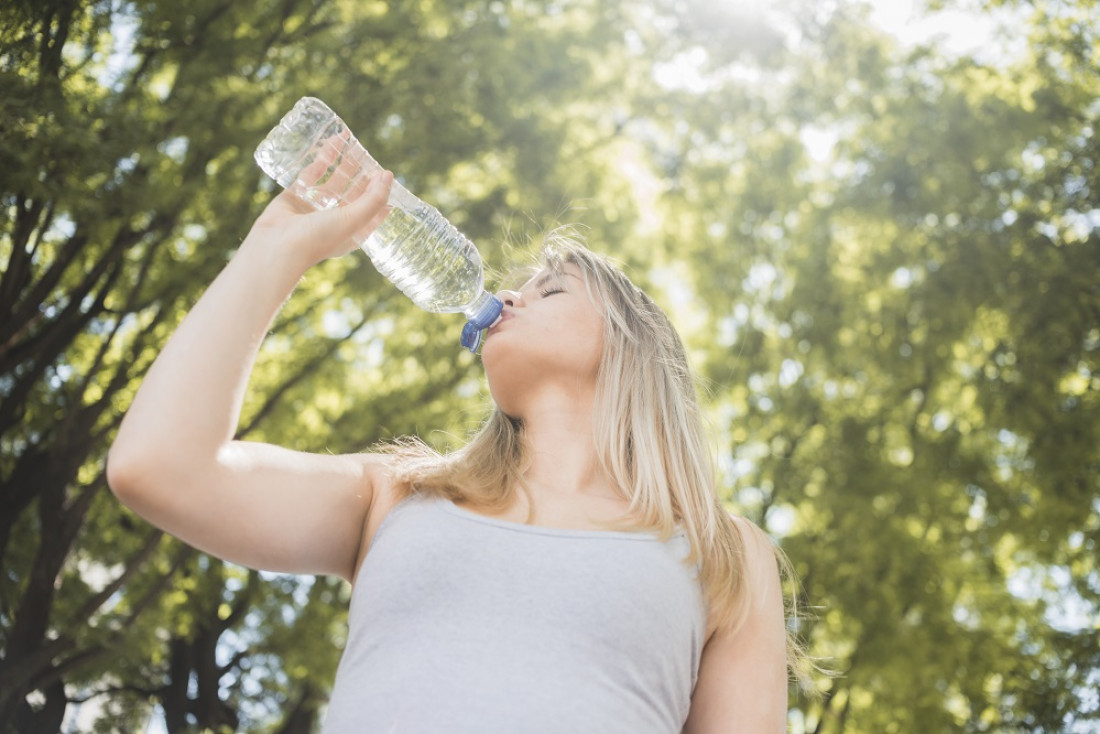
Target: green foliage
<point>898,331</point>
<point>913,370</point>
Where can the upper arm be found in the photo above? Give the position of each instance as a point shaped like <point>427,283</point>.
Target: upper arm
<point>742,683</point>
<point>260,505</point>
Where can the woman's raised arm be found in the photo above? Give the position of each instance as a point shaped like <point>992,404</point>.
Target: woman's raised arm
<point>175,461</point>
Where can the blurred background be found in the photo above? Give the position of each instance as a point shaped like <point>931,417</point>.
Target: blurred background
<point>876,224</point>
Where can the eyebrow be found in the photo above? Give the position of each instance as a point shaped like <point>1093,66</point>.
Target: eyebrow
<point>545,279</point>
<point>552,276</point>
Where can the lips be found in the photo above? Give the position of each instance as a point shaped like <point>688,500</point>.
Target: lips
<point>504,316</point>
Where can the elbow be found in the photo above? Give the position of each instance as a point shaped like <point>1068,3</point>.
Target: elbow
<point>125,473</point>
<point>146,476</point>
<point>136,471</point>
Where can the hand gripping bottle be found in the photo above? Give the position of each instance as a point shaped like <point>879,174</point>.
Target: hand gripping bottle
<point>313,153</point>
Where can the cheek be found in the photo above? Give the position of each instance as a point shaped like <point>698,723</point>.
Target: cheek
<point>589,342</point>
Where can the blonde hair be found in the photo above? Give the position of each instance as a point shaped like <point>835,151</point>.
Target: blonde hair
<point>649,433</point>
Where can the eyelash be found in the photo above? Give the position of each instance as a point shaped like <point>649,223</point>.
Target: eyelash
<point>550,291</point>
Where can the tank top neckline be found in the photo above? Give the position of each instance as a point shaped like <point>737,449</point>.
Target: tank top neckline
<point>450,507</point>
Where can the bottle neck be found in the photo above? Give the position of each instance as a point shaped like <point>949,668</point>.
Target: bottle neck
<point>484,311</point>
<point>481,314</point>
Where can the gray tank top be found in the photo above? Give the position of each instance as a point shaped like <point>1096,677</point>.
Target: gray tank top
<point>464,623</point>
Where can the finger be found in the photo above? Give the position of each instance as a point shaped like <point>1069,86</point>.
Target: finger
<point>333,167</point>
<point>376,220</point>
<point>374,202</point>
<point>317,171</point>
<point>288,200</point>
<point>359,185</point>
<point>361,215</point>
<point>342,170</point>
<point>351,167</point>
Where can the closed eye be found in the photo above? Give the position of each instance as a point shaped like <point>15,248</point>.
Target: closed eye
<point>550,291</point>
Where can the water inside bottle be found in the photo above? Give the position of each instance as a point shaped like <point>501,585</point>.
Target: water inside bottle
<point>439,270</point>
<point>312,153</point>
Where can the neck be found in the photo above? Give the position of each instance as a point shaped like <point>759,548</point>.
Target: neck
<point>560,447</point>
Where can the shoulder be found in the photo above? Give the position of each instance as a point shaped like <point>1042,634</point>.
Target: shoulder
<point>379,471</point>
<point>759,562</point>
<point>742,684</point>
<point>761,558</point>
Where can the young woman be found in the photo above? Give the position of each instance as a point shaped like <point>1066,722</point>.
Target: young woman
<point>570,570</point>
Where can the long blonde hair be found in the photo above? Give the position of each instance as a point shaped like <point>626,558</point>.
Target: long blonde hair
<point>649,433</point>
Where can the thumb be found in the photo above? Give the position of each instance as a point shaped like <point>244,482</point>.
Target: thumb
<point>359,216</point>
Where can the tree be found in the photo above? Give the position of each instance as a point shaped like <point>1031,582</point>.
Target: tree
<point>899,337</point>
<point>908,376</point>
<point>128,180</point>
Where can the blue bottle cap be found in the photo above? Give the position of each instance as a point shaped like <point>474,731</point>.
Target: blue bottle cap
<point>471,336</point>
<point>483,319</point>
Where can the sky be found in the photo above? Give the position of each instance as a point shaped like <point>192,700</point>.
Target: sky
<point>956,31</point>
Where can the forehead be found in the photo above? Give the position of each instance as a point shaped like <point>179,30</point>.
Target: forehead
<point>540,277</point>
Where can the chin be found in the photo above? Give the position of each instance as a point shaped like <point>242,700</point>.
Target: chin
<point>504,393</point>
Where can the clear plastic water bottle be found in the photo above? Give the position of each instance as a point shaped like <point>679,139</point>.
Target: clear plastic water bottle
<point>313,153</point>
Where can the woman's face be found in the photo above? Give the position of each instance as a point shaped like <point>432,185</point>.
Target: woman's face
<point>550,335</point>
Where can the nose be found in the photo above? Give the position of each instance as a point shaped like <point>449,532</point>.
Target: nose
<point>511,298</point>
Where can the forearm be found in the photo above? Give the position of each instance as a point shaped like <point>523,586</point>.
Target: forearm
<point>189,403</point>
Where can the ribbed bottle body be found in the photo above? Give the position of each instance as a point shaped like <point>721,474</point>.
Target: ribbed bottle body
<point>312,153</point>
